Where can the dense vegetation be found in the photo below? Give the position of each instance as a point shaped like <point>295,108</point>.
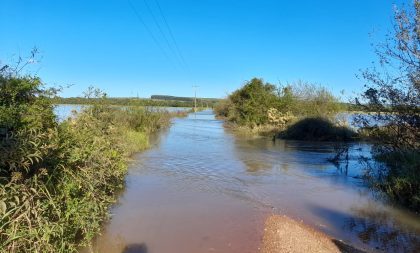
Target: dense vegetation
<point>392,94</point>
<point>263,105</point>
<point>57,180</point>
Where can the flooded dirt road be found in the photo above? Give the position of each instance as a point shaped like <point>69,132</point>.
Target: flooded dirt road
<point>202,189</point>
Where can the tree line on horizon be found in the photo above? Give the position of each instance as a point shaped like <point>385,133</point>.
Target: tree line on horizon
<point>155,100</point>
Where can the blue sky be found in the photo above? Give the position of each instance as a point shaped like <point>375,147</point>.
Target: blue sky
<point>223,43</point>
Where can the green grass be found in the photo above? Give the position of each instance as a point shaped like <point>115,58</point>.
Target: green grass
<point>135,141</point>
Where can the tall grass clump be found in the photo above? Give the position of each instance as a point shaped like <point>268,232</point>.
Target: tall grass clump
<point>58,180</point>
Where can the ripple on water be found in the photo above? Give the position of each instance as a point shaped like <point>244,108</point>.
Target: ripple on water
<point>202,189</point>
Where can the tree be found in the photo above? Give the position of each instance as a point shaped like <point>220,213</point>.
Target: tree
<point>392,97</point>
<point>252,101</point>
<point>392,90</point>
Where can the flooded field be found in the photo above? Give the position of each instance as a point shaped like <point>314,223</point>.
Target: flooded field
<point>201,188</point>
<point>65,111</point>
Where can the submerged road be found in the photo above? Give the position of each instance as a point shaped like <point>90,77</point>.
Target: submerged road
<point>201,188</point>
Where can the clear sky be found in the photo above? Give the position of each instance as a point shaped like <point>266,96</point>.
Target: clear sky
<point>221,43</point>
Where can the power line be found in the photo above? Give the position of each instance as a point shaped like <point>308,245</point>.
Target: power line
<point>177,52</point>
<point>171,34</point>
<point>155,20</point>
<point>156,41</point>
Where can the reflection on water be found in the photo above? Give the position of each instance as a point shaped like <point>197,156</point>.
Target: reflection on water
<point>135,248</point>
<point>203,189</point>
<point>63,112</point>
<point>390,230</point>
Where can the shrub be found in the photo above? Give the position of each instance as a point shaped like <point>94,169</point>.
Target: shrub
<point>251,103</point>
<point>311,100</point>
<point>222,108</point>
<point>57,181</point>
<point>317,129</point>
<point>257,104</point>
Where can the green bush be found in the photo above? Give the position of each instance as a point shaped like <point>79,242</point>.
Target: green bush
<point>28,127</point>
<point>58,180</point>
<point>222,108</point>
<point>250,105</point>
<point>317,129</point>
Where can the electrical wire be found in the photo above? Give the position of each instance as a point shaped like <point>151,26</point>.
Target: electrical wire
<point>155,20</point>
<point>149,31</point>
<point>174,49</point>
<point>171,33</point>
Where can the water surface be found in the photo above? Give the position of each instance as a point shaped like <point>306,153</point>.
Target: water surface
<point>64,111</point>
<point>201,188</point>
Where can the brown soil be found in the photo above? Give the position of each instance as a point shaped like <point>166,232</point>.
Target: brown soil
<point>284,235</point>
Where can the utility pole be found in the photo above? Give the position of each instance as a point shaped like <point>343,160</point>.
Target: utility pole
<point>195,97</point>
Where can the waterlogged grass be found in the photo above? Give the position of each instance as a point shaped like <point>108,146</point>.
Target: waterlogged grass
<point>58,180</point>
<point>135,141</point>
<point>399,178</point>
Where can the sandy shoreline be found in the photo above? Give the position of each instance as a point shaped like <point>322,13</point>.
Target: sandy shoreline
<point>285,235</point>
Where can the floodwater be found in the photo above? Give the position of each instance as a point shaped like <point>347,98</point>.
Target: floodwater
<point>64,111</point>
<point>201,188</point>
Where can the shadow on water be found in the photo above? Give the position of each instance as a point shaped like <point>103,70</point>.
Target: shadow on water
<point>261,155</point>
<point>345,248</point>
<point>374,226</point>
<point>135,248</point>
<point>201,181</point>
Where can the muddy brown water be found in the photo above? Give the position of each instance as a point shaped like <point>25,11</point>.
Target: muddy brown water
<point>201,188</point>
